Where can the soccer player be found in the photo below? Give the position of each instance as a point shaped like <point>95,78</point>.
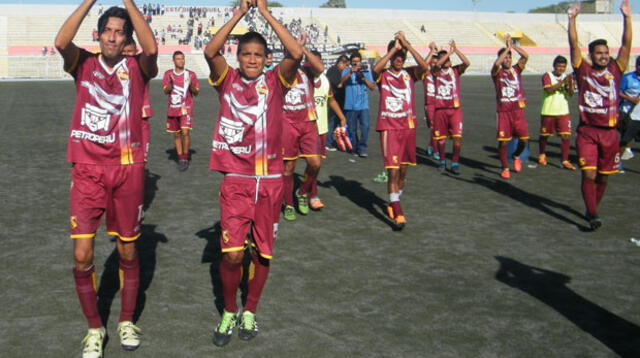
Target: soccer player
<point>510,104</point>
<point>557,87</point>
<point>397,117</point>
<point>430,97</point>
<point>131,49</point>
<point>448,113</point>
<point>105,149</point>
<point>247,149</point>
<point>630,94</point>
<point>323,96</point>
<point>301,134</point>
<point>598,83</point>
<point>181,85</point>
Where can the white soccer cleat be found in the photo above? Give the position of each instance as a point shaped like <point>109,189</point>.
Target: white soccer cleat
<point>627,154</point>
<point>129,335</point>
<point>93,343</point>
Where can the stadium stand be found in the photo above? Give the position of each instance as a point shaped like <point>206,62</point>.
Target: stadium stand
<point>26,30</point>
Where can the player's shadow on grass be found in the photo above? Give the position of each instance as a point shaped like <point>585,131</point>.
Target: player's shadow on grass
<point>146,246</point>
<point>554,157</point>
<point>212,254</point>
<point>423,159</point>
<point>550,288</point>
<point>532,200</point>
<point>172,155</point>
<point>150,188</point>
<point>361,196</point>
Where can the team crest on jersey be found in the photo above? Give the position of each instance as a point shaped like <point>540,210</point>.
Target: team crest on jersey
<point>405,76</point>
<point>73,220</point>
<point>501,134</point>
<point>582,161</point>
<point>95,118</point>
<point>393,104</point>
<point>593,99</point>
<point>394,159</point>
<point>98,74</point>
<point>225,236</point>
<point>123,75</point>
<point>231,131</point>
<point>262,88</point>
<point>294,96</point>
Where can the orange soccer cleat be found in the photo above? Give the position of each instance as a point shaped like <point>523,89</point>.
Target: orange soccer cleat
<point>517,164</point>
<point>567,165</point>
<point>542,159</point>
<point>400,222</point>
<point>316,203</point>
<point>390,211</point>
<point>505,174</point>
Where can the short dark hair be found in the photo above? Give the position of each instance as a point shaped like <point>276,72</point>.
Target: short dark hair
<point>440,53</point>
<point>249,37</point>
<point>120,13</point>
<point>342,58</point>
<point>130,41</point>
<point>355,55</point>
<point>176,54</point>
<point>598,42</point>
<point>559,59</point>
<point>501,51</point>
<point>268,52</point>
<point>638,61</point>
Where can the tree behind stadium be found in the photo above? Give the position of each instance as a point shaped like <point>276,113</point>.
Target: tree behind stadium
<point>335,3</point>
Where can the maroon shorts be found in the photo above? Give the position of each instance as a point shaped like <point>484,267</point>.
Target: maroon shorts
<point>176,124</point>
<point>598,149</point>
<point>241,208</point>
<point>447,123</point>
<point>300,139</point>
<point>510,124</point>
<point>555,124</point>
<point>398,147</point>
<point>146,137</point>
<point>430,113</point>
<point>323,145</point>
<point>117,190</point>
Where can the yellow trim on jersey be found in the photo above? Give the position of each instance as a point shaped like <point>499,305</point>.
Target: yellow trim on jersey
<point>123,238</point>
<point>94,280</point>
<point>82,236</point>
<point>392,167</point>
<point>547,134</point>
<point>121,277</point>
<point>408,163</point>
<point>504,139</point>
<point>440,137</point>
<point>284,81</point>
<point>126,156</point>
<point>234,249</point>
<point>268,257</point>
<point>564,133</point>
<point>309,155</point>
<point>523,138</point>
<point>220,79</point>
<point>608,172</point>
<point>290,158</point>
<point>589,168</point>
<point>455,136</point>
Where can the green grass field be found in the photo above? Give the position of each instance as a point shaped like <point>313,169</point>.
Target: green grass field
<point>485,267</point>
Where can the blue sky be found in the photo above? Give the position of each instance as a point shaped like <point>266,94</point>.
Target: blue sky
<point>456,5</point>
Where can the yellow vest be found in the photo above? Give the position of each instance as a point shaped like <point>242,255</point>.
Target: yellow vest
<point>556,103</point>
<point>321,98</point>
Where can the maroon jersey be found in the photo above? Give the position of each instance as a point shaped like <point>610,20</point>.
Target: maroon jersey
<point>247,136</point>
<point>106,126</point>
<point>509,91</point>
<point>598,102</point>
<point>147,111</point>
<point>447,88</point>
<point>397,105</point>
<point>299,104</point>
<point>429,89</point>
<point>180,97</point>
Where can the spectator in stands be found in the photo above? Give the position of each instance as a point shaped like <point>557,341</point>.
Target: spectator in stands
<point>44,50</point>
<point>357,81</point>
<point>334,74</point>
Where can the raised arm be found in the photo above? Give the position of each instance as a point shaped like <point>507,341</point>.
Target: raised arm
<point>289,65</point>
<point>382,63</point>
<point>64,40</point>
<point>433,49</point>
<point>149,57</point>
<point>498,63</point>
<point>574,46</point>
<point>316,65</point>
<point>465,61</point>
<point>217,63</point>
<point>625,49</point>
<point>524,56</point>
<point>422,65</point>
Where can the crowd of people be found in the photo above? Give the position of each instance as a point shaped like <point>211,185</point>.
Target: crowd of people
<point>270,115</point>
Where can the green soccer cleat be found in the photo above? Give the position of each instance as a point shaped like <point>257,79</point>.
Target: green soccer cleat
<point>129,335</point>
<point>303,203</point>
<point>248,328</point>
<point>93,343</point>
<point>381,178</point>
<point>289,213</point>
<point>224,331</point>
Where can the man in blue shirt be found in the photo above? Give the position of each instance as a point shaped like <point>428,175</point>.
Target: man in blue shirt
<point>357,83</point>
<point>630,95</point>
